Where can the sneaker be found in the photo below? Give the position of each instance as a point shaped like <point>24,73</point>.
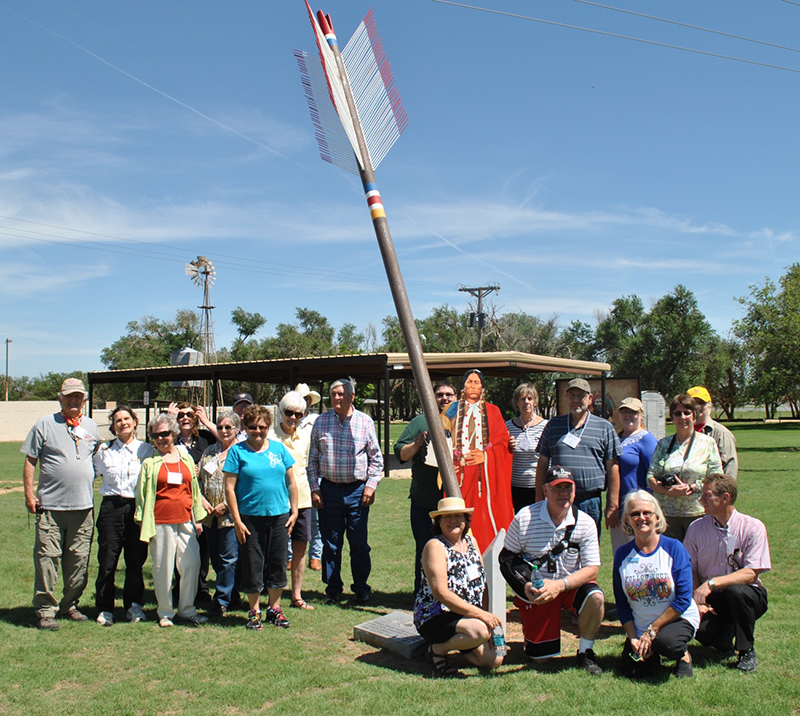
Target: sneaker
<point>105,619</point>
<point>254,620</point>
<point>683,670</point>
<point>165,622</point>
<point>217,611</point>
<point>748,661</point>
<point>277,618</point>
<point>587,660</point>
<point>136,613</point>
<point>195,619</point>
<point>47,623</point>
<point>74,615</point>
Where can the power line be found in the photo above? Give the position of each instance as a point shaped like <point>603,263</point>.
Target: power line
<point>686,24</point>
<point>621,37</point>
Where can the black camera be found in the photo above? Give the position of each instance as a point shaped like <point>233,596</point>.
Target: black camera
<point>668,480</point>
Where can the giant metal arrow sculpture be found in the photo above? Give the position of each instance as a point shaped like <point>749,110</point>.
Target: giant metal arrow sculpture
<point>358,116</point>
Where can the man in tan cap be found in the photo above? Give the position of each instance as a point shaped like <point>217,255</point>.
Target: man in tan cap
<point>63,504</point>
<point>588,447</point>
<point>722,436</point>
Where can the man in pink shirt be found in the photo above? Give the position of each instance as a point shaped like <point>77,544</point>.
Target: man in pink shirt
<point>729,551</point>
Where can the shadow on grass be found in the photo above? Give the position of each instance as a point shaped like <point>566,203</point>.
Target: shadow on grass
<point>787,448</point>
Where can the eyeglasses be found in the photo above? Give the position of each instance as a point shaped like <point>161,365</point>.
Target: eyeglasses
<point>292,414</point>
<point>647,514</point>
<point>162,434</point>
<point>258,428</point>
<point>445,395</point>
<point>181,416</point>
<point>225,427</point>
<point>683,413</point>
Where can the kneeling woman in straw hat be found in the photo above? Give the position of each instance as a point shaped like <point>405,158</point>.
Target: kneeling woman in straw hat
<point>449,610</point>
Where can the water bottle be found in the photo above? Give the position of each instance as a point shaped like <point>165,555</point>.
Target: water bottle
<point>536,579</point>
<point>499,640</point>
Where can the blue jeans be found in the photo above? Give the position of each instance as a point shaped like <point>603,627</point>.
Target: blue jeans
<point>593,507</point>
<point>421,529</point>
<point>224,552</point>
<point>342,513</point>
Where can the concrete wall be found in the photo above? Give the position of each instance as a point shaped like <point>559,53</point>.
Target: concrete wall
<point>17,418</point>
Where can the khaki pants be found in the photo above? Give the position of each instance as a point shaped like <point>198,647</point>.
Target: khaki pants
<point>65,538</point>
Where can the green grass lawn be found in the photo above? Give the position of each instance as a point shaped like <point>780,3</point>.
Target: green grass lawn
<point>316,668</point>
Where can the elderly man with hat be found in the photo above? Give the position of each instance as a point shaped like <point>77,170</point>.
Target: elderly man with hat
<point>62,445</point>
<point>588,447</point>
<point>551,560</point>
<point>721,435</point>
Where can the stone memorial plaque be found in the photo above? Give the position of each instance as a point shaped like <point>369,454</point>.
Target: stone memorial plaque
<point>395,632</point>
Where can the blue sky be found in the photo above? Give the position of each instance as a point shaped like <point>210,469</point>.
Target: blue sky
<point>569,167</point>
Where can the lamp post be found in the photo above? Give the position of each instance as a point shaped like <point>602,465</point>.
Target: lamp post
<point>8,340</point>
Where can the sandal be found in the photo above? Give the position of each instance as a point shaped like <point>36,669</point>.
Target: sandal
<point>441,665</point>
<point>301,603</point>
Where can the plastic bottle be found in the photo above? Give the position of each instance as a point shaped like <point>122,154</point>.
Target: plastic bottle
<point>499,640</point>
<point>536,579</point>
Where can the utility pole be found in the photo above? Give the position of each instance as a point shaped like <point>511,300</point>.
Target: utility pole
<point>480,318</point>
<point>8,340</point>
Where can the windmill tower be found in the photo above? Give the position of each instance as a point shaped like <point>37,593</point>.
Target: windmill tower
<point>202,273</point>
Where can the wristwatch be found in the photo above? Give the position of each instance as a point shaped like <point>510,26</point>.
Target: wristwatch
<point>712,584</point>
<point>650,632</point>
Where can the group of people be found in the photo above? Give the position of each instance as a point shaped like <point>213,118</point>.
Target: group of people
<point>240,493</point>
<point>686,563</point>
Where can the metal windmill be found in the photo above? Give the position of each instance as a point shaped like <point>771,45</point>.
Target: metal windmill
<point>202,273</point>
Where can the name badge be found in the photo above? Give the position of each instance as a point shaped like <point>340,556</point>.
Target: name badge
<point>175,478</point>
<point>571,440</point>
<point>473,572</point>
<point>80,432</point>
<point>211,467</point>
<point>676,461</point>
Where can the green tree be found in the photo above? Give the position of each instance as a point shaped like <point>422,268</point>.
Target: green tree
<point>726,375</point>
<point>668,347</point>
<point>770,334</point>
<point>247,325</point>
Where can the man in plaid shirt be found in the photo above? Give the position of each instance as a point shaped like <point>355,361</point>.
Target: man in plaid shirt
<point>345,464</point>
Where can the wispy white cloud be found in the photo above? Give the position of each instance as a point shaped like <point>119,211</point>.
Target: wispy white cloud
<point>22,279</point>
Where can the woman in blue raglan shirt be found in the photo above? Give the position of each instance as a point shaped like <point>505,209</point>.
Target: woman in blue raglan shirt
<point>653,591</point>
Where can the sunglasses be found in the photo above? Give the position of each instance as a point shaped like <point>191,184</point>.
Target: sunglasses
<point>258,428</point>
<point>683,413</point>
<point>162,434</point>
<point>185,415</point>
<point>225,427</point>
<point>292,414</point>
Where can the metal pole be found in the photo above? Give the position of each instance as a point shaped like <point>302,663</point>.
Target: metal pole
<point>397,286</point>
<point>8,340</point>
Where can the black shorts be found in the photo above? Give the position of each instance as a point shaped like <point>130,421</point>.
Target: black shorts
<point>440,628</point>
<point>264,553</point>
<point>302,528</point>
